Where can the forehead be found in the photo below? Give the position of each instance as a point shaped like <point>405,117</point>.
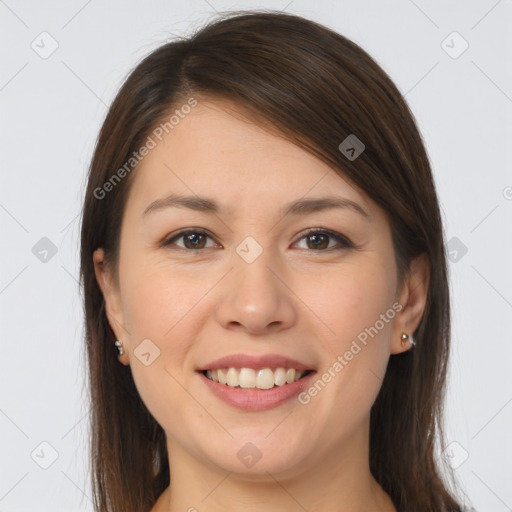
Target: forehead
<point>216,151</point>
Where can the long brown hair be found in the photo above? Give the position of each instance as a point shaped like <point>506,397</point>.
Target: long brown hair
<point>315,87</point>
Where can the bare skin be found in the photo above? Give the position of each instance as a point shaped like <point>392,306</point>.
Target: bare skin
<point>298,298</point>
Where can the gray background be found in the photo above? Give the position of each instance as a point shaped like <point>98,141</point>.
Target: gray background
<point>51,111</point>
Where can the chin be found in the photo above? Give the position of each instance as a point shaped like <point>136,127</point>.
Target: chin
<point>254,455</point>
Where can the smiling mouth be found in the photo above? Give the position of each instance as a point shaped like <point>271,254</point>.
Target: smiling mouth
<point>249,378</point>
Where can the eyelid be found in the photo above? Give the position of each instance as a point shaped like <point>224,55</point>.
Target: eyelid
<point>167,241</point>
<point>342,240</point>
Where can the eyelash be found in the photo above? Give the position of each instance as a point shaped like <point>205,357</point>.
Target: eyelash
<point>344,241</point>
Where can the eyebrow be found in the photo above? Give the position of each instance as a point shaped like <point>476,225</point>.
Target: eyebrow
<point>299,207</point>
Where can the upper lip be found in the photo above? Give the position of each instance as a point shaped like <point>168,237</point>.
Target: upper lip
<point>255,362</point>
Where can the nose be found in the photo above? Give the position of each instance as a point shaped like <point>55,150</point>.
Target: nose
<point>255,297</point>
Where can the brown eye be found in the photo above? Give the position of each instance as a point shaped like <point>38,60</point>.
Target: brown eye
<point>192,239</point>
<point>319,240</point>
<point>316,240</point>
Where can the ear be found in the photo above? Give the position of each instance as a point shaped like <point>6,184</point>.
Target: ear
<point>111,296</point>
<point>412,298</point>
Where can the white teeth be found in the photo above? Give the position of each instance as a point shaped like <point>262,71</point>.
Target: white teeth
<point>265,379</point>
<point>280,376</point>
<point>232,377</point>
<point>221,374</point>
<point>248,378</point>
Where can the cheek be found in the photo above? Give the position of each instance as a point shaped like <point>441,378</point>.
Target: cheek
<point>157,299</point>
<point>158,306</point>
<point>352,301</point>
<point>357,307</point>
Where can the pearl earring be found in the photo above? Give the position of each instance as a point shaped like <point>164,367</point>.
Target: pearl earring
<point>404,338</point>
<point>119,345</point>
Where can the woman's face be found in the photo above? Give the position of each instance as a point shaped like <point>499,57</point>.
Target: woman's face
<point>248,281</point>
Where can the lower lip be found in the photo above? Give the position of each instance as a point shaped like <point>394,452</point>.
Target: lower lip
<point>257,399</point>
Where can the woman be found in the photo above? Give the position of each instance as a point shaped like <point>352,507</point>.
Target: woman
<point>262,246</point>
